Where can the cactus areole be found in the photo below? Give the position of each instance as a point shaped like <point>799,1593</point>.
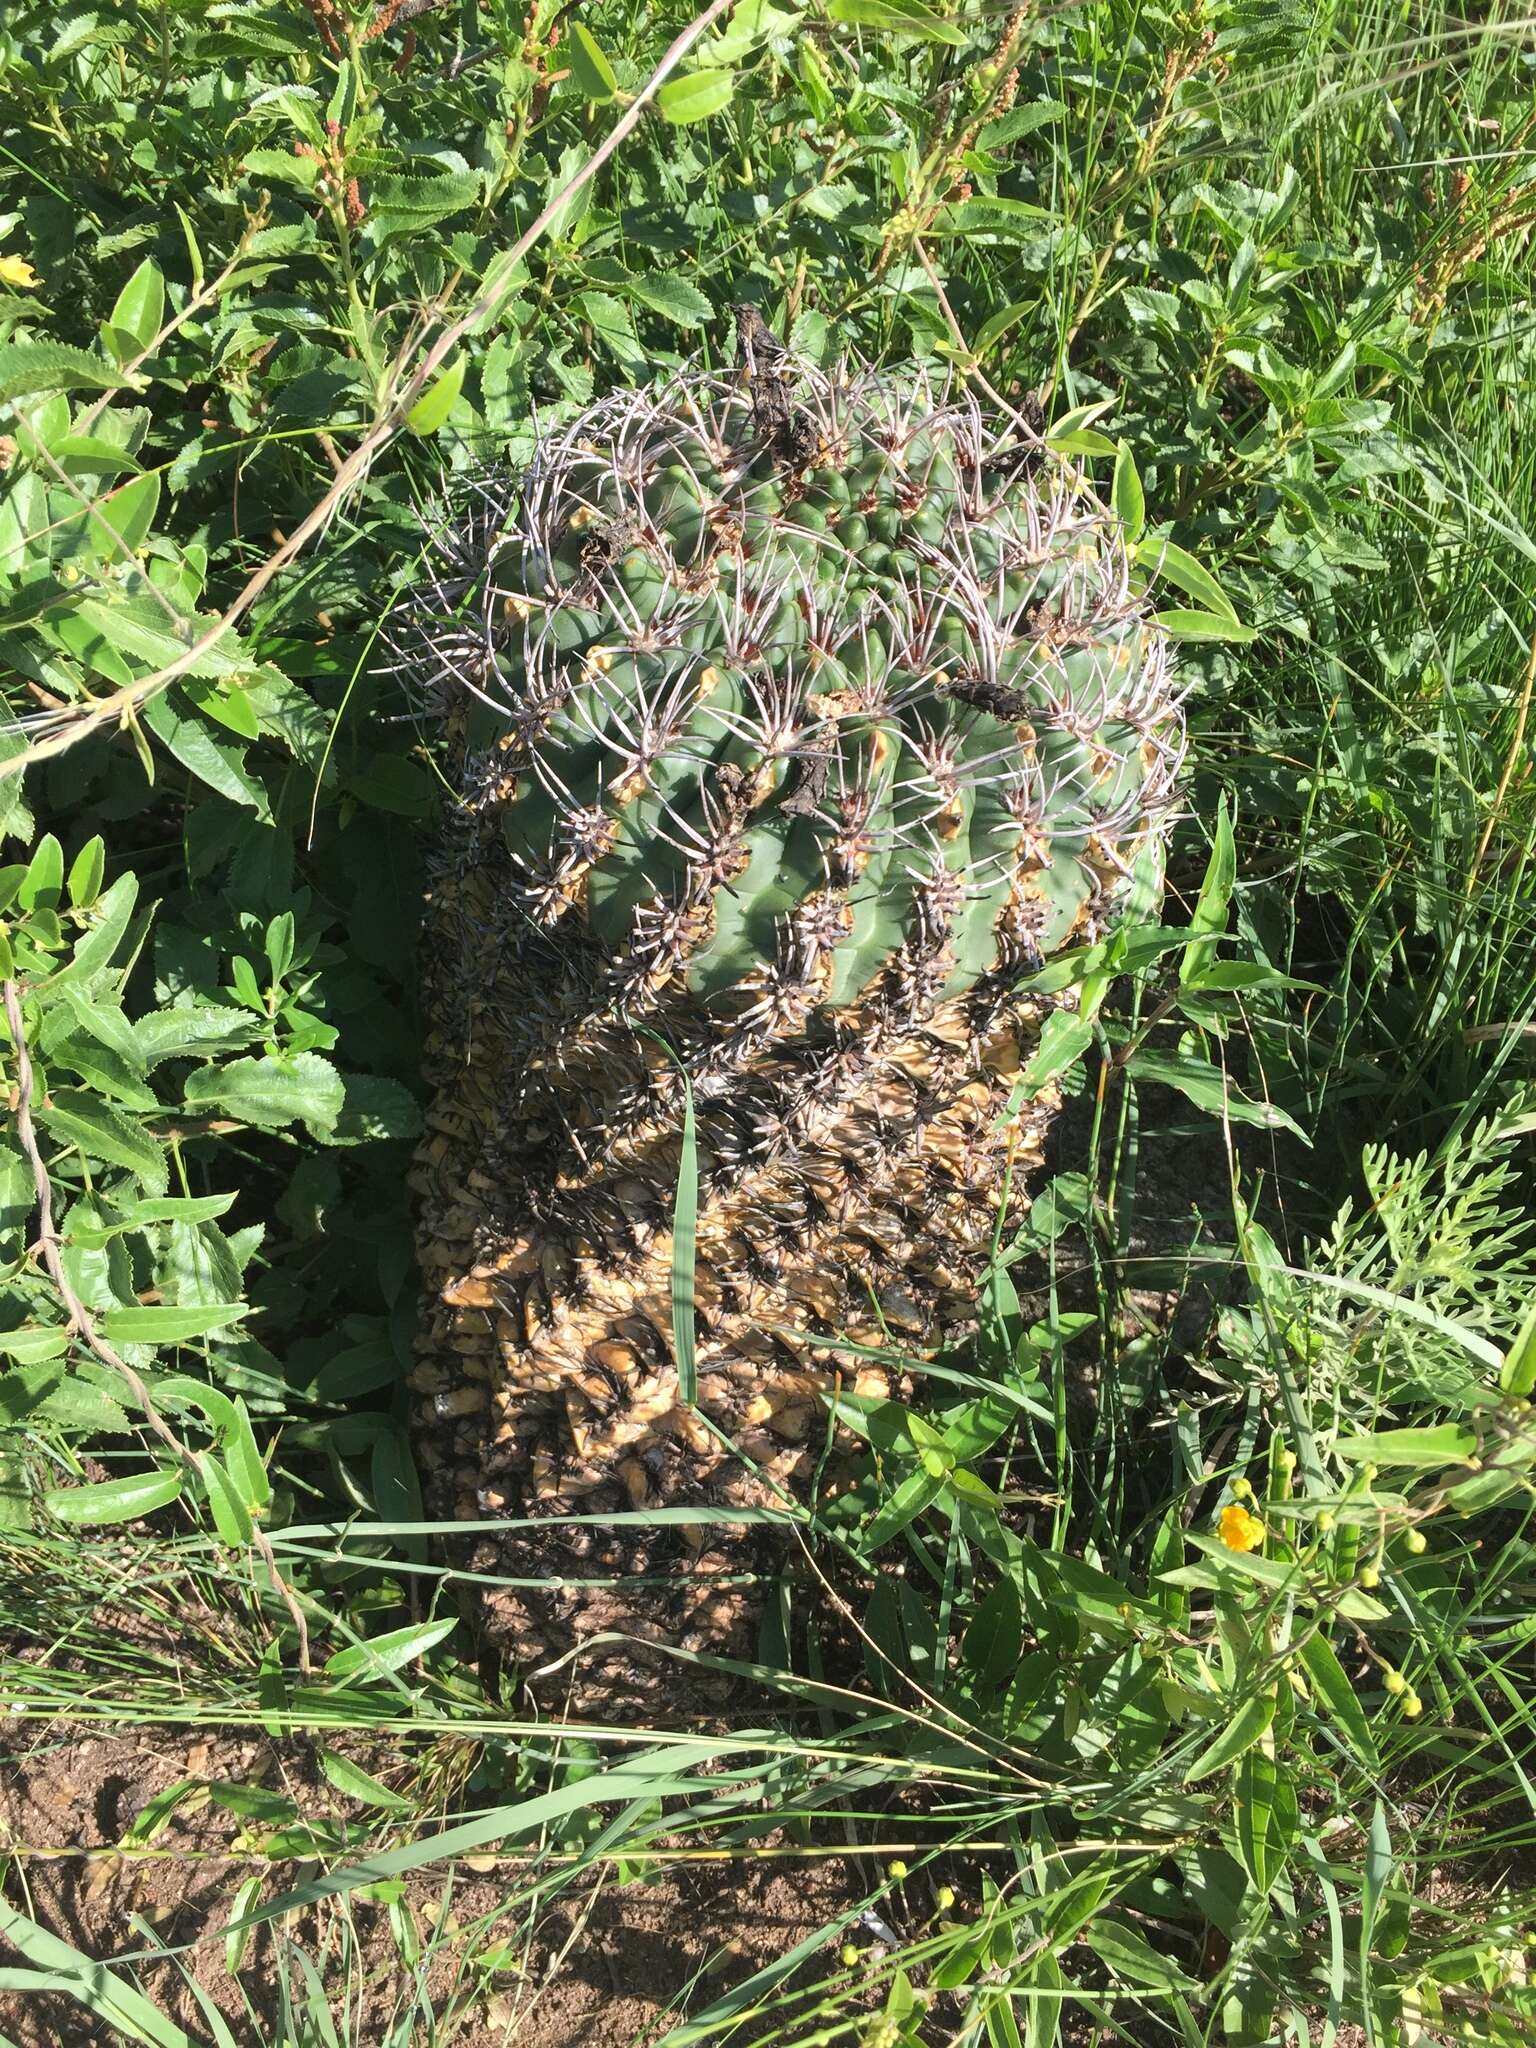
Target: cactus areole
<point>789,740</point>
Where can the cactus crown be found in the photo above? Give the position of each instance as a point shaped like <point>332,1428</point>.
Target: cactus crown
<point>861,711</point>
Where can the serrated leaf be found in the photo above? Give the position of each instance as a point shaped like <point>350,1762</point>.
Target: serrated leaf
<point>675,299</point>
<point>113,1500</point>
<point>185,735</point>
<point>31,366</point>
<point>161,1325</point>
<point>275,1090</point>
<point>111,916</point>
<point>101,1132</point>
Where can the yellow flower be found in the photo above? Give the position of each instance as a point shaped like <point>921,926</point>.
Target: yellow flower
<point>1240,1530</point>
<point>13,270</point>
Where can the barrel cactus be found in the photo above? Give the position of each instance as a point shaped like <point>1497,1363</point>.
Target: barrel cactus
<point>796,719</point>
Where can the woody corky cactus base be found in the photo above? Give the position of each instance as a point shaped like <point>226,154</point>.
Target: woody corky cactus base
<point>795,719</point>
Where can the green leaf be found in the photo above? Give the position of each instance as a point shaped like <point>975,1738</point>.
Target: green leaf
<point>1065,1036</point>
<point>1240,1733</point>
<point>1209,919</point>
<point>140,306</point>
<point>43,884</point>
<point>30,366</point>
<point>900,17</point>
<point>994,1642</point>
<point>111,916</point>
<point>87,872</point>
<point>114,1500</point>
<point>185,735</point>
<point>1184,625</point>
<point>589,67</point>
<point>696,96</point>
<point>1209,1089</point>
<point>275,1090</point>
<point>231,1518</point>
<point>438,400</point>
<point>1267,1816</point>
<point>1126,496</point>
<point>681,303</point>
<point>158,1325</point>
<point>354,1783</point>
<point>1333,1689</point>
<point>78,1118</point>
<point>381,1655</point>
<point>1517,1375</point>
<point>1447,1443</point>
<point>1132,1957</point>
<point>685,1211</point>
<point>1170,563</point>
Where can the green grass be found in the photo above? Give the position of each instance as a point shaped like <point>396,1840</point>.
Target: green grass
<point>1175,1793</point>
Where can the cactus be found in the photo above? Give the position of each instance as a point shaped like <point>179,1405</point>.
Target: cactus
<point>796,720</point>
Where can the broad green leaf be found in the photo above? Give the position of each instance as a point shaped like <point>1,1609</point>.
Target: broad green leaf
<point>994,1641</point>
<point>696,96</point>
<point>156,1325</point>
<point>113,1500</point>
<point>438,400</point>
<point>1240,1733</point>
<point>1337,1696</point>
<point>272,1091</point>
<point>1209,919</point>
<point>87,872</point>
<point>78,1118</point>
<point>1517,1375</point>
<point>392,1652</point>
<point>899,17</point>
<point>1186,625</point>
<point>1209,1089</point>
<point>140,306</point>
<point>1132,1957</point>
<point>94,949</point>
<point>1065,1036</point>
<point>42,885</point>
<point>1170,563</point>
<point>355,1783</point>
<point>1267,1817</point>
<point>1126,496</point>
<point>28,366</point>
<point>673,297</point>
<point>589,67</point>
<point>1446,1443</point>
<point>231,1517</point>
<point>185,735</point>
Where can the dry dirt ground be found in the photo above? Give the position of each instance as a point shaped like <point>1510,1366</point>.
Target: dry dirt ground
<point>611,1962</point>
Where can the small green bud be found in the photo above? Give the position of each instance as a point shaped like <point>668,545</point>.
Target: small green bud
<point>1413,1706</point>
<point>896,1869</point>
<point>1416,1542</point>
<point>1394,1680</point>
<point>1370,1577</point>
<point>1325,1522</point>
<point>848,1955</point>
<point>944,1897</point>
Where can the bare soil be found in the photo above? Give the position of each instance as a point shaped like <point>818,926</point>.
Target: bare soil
<point>618,1960</point>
